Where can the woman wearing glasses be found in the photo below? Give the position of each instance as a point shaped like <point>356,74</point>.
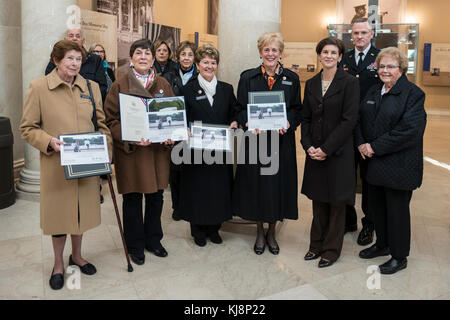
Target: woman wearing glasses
<point>389,137</point>
<point>99,50</point>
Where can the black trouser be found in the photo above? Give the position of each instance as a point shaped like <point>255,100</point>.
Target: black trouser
<point>175,180</point>
<point>350,211</point>
<point>390,209</point>
<point>327,230</point>
<point>142,231</point>
<point>202,231</point>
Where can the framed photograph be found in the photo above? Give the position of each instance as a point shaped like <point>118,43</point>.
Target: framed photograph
<point>166,119</point>
<point>83,149</point>
<point>267,116</point>
<point>265,97</point>
<point>210,137</point>
<point>157,119</point>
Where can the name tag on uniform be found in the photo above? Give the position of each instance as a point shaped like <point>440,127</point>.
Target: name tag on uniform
<point>200,98</point>
<point>288,83</point>
<point>370,102</point>
<point>85,96</point>
<point>159,95</point>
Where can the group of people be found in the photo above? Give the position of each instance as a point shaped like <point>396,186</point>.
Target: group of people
<point>359,109</point>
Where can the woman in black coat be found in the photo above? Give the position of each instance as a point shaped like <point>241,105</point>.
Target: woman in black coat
<point>269,197</point>
<point>163,58</point>
<point>389,137</point>
<point>330,111</point>
<point>205,190</point>
<point>185,73</point>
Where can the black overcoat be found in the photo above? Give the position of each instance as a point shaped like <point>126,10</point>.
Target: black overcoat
<point>205,189</point>
<point>269,198</point>
<point>328,122</point>
<point>394,125</point>
<point>366,72</point>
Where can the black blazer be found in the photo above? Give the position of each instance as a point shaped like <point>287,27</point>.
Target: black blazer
<point>366,72</point>
<point>394,125</point>
<point>175,81</point>
<point>253,80</point>
<point>161,70</point>
<point>328,122</point>
<point>224,108</point>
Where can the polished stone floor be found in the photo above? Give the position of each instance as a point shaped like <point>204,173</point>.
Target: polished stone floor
<point>231,270</point>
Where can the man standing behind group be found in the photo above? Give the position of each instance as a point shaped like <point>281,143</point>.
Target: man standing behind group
<point>92,66</point>
<point>360,62</point>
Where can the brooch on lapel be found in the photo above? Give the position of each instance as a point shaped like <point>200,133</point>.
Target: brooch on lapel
<point>199,91</point>
<point>284,78</point>
<point>161,91</point>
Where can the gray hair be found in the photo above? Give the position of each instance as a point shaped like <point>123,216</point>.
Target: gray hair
<point>362,20</point>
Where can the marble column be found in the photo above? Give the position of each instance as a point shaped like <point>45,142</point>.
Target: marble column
<point>241,23</point>
<point>42,26</point>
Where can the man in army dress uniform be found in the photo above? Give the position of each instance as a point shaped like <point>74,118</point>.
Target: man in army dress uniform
<point>360,62</point>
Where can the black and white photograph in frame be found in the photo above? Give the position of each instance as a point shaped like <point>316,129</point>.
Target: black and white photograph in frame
<point>83,149</point>
<point>267,116</point>
<point>167,119</point>
<point>210,137</point>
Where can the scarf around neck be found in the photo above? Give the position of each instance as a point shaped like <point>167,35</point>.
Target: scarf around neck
<point>146,80</point>
<point>209,87</point>
<point>271,79</point>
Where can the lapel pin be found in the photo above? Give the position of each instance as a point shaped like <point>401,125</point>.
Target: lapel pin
<point>284,78</point>
<point>199,91</point>
<point>161,91</point>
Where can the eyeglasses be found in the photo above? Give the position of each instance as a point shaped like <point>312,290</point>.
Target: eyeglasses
<point>98,51</point>
<point>388,67</point>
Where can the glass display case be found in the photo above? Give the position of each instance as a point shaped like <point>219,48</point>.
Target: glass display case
<point>401,35</point>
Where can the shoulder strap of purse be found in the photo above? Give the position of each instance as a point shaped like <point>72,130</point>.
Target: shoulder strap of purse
<point>94,113</point>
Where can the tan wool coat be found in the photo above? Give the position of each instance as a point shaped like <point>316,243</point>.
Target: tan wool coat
<point>138,169</point>
<point>52,108</point>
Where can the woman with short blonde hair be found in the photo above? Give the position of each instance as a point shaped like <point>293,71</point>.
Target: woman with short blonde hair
<point>397,55</point>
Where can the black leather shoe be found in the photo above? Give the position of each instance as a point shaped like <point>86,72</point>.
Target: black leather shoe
<point>325,263</point>
<point>273,250</point>
<point>159,252</point>
<point>215,238</point>
<point>393,265</point>
<point>176,215</point>
<point>201,242</point>
<point>259,250</point>
<point>365,237</point>
<point>373,252</point>
<point>138,259</point>
<point>351,228</point>
<point>88,268</point>
<point>56,281</point>
<point>311,256</point>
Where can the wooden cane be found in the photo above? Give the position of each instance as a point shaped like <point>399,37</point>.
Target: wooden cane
<point>113,196</point>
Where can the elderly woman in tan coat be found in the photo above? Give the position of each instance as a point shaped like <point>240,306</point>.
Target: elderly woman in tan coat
<point>141,168</point>
<point>59,104</point>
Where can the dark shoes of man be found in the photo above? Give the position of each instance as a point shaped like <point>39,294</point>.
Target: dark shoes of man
<point>176,215</point>
<point>373,252</point>
<point>138,259</point>
<point>158,251</point>
<point>393,265</point>
<point>56,280</point>
<point>365,236</point>
<point>88,268</point>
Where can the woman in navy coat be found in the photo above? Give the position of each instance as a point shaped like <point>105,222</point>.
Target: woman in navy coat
<point>205,191</point>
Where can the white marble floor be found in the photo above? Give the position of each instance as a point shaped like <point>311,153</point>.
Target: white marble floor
<point>231,270</point>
